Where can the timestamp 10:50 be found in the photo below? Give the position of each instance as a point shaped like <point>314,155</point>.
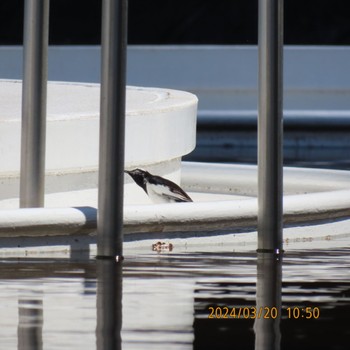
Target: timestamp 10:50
<point>303,312</point>
<point>220,312</point>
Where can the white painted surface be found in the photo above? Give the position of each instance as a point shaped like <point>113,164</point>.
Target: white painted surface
<point>242,179</point>
<point>328,199</point>
<point>311,236</point>
<point>160,125</point>
<point>160,129</point>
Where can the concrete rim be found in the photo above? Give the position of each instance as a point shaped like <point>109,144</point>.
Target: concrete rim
<point>332,201</point>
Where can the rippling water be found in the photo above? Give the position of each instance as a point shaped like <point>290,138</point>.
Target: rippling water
<point>223,300</point>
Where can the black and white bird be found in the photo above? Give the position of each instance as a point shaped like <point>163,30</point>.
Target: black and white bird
<point>159,190</point>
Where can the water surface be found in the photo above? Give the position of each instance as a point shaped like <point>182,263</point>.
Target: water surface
<point>174,300</point>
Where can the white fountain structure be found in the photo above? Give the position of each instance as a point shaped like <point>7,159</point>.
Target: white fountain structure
<point>160,130</point>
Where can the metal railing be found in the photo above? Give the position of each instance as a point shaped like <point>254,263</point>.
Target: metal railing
<point>112,122</point>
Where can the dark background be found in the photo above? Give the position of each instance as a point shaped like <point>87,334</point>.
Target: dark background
<point>311,22</point>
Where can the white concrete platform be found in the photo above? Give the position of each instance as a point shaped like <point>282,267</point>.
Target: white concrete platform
<point>160,129</point>
<point>161,126</point>
<point>316,209</point>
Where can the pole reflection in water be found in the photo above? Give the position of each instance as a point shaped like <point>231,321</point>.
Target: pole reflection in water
<point>268,301</point>
<point>30,324</point>
<point>109,304</point>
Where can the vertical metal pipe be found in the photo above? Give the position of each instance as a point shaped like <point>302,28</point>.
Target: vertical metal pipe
<point>270,128</point>
<point>112,128</point>
<point>36,22</point>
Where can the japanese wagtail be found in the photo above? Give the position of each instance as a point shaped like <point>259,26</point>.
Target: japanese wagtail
<point>159,190</point>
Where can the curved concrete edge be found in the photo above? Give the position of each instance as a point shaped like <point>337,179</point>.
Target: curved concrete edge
<point>166,117</point>
<point>169,116</point>
<point>242,179</point>
<point>237,214</point>
<point>38,222</point>
<point>187,217</point>
<point>316,206</point>
<point>330,200</point>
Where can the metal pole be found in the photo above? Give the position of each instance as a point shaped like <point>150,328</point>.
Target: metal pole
<point>36,22</point>
<point>270,128</point>
<point>112,129</point>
